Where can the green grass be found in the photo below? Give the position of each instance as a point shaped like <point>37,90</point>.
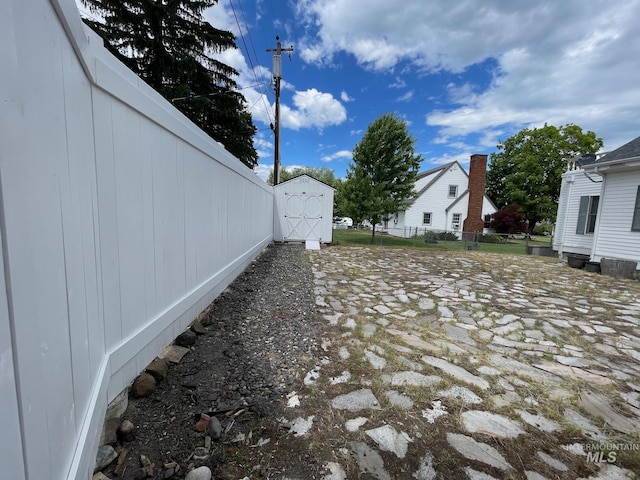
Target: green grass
<point>352,237</point>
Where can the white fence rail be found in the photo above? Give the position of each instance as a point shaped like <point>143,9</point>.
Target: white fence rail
<point>120,222</point>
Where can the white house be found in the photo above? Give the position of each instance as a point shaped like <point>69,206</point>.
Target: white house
<point>444,198</point>
<point>599,208</point>
<point>303,210</point>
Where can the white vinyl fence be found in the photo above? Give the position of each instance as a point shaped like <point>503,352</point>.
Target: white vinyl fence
<point>120,221</point>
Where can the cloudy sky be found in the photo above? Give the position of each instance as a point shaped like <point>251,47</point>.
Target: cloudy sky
<point>463,75</point>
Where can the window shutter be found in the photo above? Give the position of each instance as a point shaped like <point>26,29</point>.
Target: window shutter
<point>635,224</point>
<point>582,214</point>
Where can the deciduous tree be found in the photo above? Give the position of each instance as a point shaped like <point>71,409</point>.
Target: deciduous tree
<point>527,169</point>
<point>382,175</point>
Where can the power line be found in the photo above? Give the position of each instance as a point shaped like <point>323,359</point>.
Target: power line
<point>251,64</point>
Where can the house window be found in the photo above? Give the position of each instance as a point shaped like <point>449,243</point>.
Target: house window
<point>426,218</point>
<point>453,191</point>
<point>487,221</point>
<point>587,214</point>
<point>635,224</point>
<point>455,221</point>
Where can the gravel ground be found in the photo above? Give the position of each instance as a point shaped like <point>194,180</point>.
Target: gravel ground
<point>261,336</point>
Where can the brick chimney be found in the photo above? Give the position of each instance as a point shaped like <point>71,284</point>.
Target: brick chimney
<point>477,179</point>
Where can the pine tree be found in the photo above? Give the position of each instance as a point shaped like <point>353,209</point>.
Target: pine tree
<point>170,45</point>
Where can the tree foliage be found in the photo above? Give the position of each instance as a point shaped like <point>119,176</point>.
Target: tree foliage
<point>509,220</point>
<point>323,174</point>
<point>171,47</point>
<point>527,169</point>
<point>381,178</point>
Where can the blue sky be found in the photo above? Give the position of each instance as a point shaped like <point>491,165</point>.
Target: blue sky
<point>463,75</point>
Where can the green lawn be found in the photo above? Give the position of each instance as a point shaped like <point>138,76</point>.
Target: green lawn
<point>363,237</point>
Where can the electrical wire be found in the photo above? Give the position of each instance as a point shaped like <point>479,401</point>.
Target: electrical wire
<point>246,48</point>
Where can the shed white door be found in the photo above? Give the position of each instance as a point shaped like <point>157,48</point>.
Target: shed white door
<point>303,216</point>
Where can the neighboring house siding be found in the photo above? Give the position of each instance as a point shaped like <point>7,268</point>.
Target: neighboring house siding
<point>615,238</point>
<point>436,200</point>
<point>575,185</point>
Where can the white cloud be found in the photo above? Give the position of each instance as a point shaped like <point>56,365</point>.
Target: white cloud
<point>406,97</point>
<point>338,155</point>
<point>312,109</point>
<point>344,96</point>
<point>555,62</point>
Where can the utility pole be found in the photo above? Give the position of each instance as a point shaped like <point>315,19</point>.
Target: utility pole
<point>277,76</point>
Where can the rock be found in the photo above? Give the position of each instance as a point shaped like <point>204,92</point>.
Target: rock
<point>390,440</point>
<point>456,372</point>
<point>214,428</point>
<point>200,473</point>
<point>492,424</point>
<point>426,470</point>
<point>144,385</point>
<point>473,450</point>
<point>106,454</point>
<point>355,401</point>
<point>126,431</point>
<point>100,476</point>
<point>147,466</point>
<point>198,328</point>
<point>203,423</point>
<point>109,428</point>
<point>185,339</point>
<point>158,368</point>
<point>369,461</point>
<point>173,353</point>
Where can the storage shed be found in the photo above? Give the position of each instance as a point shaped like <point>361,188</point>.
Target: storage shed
<point>303,210</point>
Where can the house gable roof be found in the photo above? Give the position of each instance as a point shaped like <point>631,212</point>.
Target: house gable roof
<point>625,152</point>
<point>441,170</point>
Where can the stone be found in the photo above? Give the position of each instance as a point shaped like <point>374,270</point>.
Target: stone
<point>200,473</point>
<point>598,405</point>
<point>390,440</point>
<point>477,475</point>
<point>538,421</point>
<point>336,472</point>
<point>461,393</point>
<point>456,372</point>
<point>369,461</point>
<point>203,422</point>
<point>414,379</point>
<point>438,410</point>
<point>425,470</point>
<point>143,386</point>
<point>158,369</point>
<point>531,475</point>
<point>198,328</point>
<point>356,401</point>
<point>185,339</point>
<point>106,454</point>
<point>481,452</point>
<point>109,434</point>
<point>126,430</point>
<point>492,424</point>
<point>354,424</point>
<point>100,476</point>
<point>343,378</point>
<point>398,400</point>
<point>552,462</point>
<point>173,353</point>
<point>377,362</point>
<point>573,373</point>
<point>459,334</point>
<point>214,428</point>
<point>301,426</point>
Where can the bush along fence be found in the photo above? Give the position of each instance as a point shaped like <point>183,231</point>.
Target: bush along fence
<point>460,240</point>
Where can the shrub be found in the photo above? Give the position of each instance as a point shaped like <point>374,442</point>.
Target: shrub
<point>447,236</point>
<point>430,237</point>
<point>492,238</point>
